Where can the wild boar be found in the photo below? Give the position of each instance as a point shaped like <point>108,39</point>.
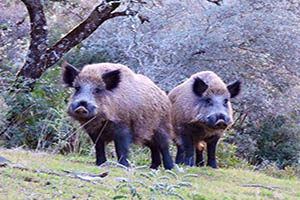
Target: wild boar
<point>115,104</point>
<point>201,113</point>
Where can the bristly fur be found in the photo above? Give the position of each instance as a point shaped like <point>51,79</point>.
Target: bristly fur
<point>131,99</point>
<point>193,112</point>
<point>184,99</point>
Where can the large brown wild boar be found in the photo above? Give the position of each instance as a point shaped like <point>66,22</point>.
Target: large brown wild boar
<point>115,104</point>
<point>201,112</point>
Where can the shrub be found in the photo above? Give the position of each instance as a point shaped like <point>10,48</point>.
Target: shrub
<point>35,117</point>
<point>274,140</point>
<point>227,157</point>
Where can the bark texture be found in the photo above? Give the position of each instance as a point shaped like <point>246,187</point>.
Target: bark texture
<point>36,55</point>
<point>39,57</point>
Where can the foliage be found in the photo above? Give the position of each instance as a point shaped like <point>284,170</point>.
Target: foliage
<point>275,140</point>
<point>36,118</point>
<point>272,170</point>
<point>228,158</point>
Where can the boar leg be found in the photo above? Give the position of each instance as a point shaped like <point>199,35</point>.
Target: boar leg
<point>199,158</point>
<point>122,139</point>
<point>155,155</point>
<point>164,149</point>
<point>180,155</point>
<point>189,149</point>
<point>100,153</point>
<point>161,138</point>
<point>100,149</point>
<point>211,152</point>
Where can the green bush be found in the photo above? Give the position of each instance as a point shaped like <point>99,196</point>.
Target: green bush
<point>227,157</point>
<point>36,118</point>
<point>274,140</point>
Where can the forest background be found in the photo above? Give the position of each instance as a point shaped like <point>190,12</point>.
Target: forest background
<point>257,42</point>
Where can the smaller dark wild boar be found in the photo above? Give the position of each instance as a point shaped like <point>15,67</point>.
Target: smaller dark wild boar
<point>201,112</point>
<point>115,104</point>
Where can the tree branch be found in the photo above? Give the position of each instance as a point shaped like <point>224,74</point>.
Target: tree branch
<point>262,186</point>
<point>38,57</point>
<point>217,2</point>
<point>99,15</point>
<point>77,175</point>
<point>117,14</point>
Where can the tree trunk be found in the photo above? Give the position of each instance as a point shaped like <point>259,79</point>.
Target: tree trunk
<point>39,57</point>
<point>36,56</point>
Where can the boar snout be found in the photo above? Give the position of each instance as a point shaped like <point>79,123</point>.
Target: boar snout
<point>218,121</point>
<point>82,109</point>
<point>220,124</point>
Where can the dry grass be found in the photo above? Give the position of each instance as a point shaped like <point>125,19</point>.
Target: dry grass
<point>133,183</point>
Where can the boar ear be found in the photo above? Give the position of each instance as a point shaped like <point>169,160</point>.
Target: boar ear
<point>199,86</point>
<point>69,74</point>
<point>234,88</point>
<point>111,79</point>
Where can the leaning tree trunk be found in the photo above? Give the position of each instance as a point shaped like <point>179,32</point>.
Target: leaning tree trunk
<point>36,56</point>
<point>39,57</point>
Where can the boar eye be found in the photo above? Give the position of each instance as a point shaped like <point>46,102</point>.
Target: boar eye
<point>98,90</point>
<point>225,102</point>
<point>77,88</point>
<point>208,101</point>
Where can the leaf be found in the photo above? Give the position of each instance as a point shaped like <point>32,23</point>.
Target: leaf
<point>186,184</point>
<point>146,176</point>
<point>172,174</point>
<point>164,178</point>
<point>119,197</point>
<point>189,175</point>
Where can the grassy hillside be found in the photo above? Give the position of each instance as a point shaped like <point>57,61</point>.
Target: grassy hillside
<point>46,176</point>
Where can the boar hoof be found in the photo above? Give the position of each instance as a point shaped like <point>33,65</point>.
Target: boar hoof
<point>100,162</point>
<point>212,163</point>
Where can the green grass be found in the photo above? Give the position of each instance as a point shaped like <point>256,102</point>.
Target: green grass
<point>134,183</point>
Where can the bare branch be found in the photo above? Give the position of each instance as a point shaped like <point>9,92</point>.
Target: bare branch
<point>143,19</point>
<point>262,186</point>
<point>39,58</point>
<point>217,2</point>
<point>99,15</point>
<point>77,175</point>
<point>117,14</point>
